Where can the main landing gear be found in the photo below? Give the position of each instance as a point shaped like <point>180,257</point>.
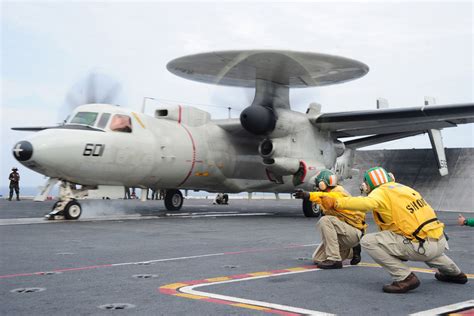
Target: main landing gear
<point>173,200</point>
<point>67,207</point>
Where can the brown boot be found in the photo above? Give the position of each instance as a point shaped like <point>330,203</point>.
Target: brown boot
<point>461,278</point>
<point>411,282</point>
<point>330,264</point>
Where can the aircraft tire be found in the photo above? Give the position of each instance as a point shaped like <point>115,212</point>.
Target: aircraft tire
<point>311,209</point>
<point>73,210</point>
<point>173,200</point>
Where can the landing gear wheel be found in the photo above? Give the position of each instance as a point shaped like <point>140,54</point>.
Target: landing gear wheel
<point>72,210</point>
<point>311,209</point>
<point>173,200</point>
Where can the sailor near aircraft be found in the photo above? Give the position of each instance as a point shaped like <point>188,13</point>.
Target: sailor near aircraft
<point>269,149</point>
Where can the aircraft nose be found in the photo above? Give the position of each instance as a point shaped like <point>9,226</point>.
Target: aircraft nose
<point>23,150</point>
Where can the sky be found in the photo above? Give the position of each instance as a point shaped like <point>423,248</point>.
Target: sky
<point>413,49</point>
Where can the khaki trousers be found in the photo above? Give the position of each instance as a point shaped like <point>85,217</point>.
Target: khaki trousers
<point>337,239</point>
<point>388,249</point>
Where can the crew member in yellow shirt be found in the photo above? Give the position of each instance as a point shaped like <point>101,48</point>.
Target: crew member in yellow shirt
<point>409,230</point>
<point>340,231</point>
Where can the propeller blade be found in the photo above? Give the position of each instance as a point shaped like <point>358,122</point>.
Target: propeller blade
<point>95,87</point>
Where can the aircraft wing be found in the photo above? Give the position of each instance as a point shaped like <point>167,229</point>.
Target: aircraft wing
<point>233,126</point>
<point>32,128</point>
<point>395,123</point>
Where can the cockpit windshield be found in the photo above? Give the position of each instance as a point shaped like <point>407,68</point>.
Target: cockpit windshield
<point>84,118</point>
<point>104,119</point>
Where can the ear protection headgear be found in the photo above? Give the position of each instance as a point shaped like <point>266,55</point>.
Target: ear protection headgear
<point>325,179</point>
<point>375,177</point>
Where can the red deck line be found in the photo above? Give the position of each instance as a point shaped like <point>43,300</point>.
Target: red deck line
<point>55,270</point>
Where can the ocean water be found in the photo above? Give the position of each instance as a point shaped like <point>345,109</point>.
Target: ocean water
<point>25,191</point>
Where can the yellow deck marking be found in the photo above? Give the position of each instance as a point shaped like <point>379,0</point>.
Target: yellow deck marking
<point>258,308</point>
<point>219,279</point>
<point>173,286</point>
<point>425,270</point>
<point>422,270</point>
<point>138,119</point>
<point>260,273</point>
<point>297,269</point>
<point>191,296</point>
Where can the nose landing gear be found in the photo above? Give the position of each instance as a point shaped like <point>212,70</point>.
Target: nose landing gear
<point>67,207</point>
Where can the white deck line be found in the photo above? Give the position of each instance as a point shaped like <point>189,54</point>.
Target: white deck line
<point>445,309</point>
<point>190,290</point>
<point>41,220</point>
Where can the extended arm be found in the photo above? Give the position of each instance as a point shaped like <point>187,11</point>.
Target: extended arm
<point>363,204</point>
<point>316,196</point>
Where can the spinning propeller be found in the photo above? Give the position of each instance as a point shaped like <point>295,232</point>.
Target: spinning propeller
<point>94,88</point>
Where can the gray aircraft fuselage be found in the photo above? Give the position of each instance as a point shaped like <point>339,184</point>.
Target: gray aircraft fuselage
<point>181,147</point>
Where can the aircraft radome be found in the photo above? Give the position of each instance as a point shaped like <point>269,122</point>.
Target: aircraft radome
<point>269,149</point>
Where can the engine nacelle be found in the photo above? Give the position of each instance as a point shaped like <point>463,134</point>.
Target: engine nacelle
<point>258,119</point>
<point>305,177</point>
<point>278,147</point>
<point>282,166</point>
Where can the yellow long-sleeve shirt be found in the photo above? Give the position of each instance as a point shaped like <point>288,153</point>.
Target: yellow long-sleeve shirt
<point>352,217</point>
<point>395,200</point>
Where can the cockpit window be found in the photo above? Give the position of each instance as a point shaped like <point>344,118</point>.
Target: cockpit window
<point>121,123</point>
<point>104,119</point>
<point>84,118</point>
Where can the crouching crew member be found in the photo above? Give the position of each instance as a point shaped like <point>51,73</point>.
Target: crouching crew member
<point>221,198</point>
<point>340,230</point>
<point>409,231</point>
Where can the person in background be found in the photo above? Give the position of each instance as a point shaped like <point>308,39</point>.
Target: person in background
<point>154,194</point>
<point>340,231</point>
<point>221,198</point>
<point>409,230</point>
<point>14,184</point>
<point>465,221</point>
<point>127,193</point>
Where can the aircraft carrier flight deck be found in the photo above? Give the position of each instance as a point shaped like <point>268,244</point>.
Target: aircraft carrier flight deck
<point>251,257</point>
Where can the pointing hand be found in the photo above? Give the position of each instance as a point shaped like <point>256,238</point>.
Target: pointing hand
<point>301,194</point>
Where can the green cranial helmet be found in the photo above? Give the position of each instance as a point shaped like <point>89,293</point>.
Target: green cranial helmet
<point>327,177</point>
<point>377,176</point>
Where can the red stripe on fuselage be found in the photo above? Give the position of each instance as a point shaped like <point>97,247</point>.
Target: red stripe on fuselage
<point>193,162</point>
<point>304,169</point>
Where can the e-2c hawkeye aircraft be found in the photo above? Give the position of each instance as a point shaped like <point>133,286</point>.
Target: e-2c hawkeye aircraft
<point>269,149</point>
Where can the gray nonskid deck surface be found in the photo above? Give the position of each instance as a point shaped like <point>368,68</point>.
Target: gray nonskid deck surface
<point>98,255</point>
